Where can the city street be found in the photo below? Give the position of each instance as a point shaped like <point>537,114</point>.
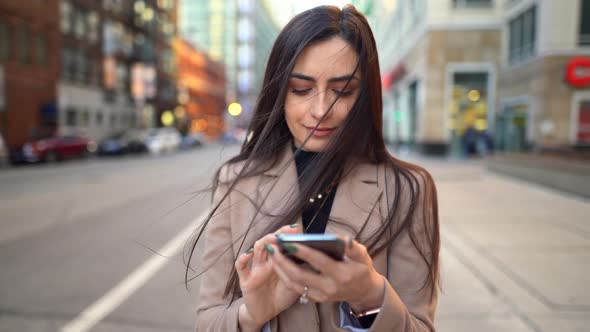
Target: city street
<point>97,244</point>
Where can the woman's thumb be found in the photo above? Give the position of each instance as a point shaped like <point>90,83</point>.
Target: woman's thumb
<point>355,250</point>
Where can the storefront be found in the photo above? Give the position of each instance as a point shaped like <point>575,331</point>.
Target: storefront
<point>512,124</point>
<point>583,122</point>
<point>577,75</point>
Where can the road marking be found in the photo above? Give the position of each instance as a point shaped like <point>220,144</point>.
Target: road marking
<point>118,294</point>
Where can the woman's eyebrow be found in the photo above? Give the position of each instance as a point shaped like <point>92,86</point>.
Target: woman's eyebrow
<point>331,80</point>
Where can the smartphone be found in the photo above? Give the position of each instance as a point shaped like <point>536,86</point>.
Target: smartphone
<point>329,244</point>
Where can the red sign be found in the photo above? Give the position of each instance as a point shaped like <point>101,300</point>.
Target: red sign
<point>577,72</point>
<point>390,78</point>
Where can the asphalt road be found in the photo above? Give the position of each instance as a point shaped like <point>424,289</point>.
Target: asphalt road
<point>97,245</point>
<point>72,231</point>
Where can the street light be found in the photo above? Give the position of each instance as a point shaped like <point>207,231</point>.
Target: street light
<point>234,109</point>
<point>167,118</point>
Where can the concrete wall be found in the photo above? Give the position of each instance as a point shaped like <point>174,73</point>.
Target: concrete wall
<point>559,25</point>
<point>443,12</point>
<point>91,100</point>
<point>457,51</point>
<point>541,82</point>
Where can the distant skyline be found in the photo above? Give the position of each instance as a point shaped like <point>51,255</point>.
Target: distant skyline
<point>284,10</point>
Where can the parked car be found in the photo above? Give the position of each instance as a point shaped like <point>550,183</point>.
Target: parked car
<point>135,140</point>
<point>58,148</point>
<point>112,145</point>
<point>161,140</point>
<point>122,143</point>
<point>191,141</point>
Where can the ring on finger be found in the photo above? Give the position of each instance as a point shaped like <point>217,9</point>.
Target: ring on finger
<point>303,299</point>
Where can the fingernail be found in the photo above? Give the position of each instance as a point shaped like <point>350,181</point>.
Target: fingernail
<point>350,242</point>
<point>295,225</point>
<point>249,251</point>
<point>269,249</point>
<point>290,248</point>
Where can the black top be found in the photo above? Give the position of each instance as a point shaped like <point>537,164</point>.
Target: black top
<point>321,207</point>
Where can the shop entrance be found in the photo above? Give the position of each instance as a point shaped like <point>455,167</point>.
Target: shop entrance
<point>511,129</point>
<point>468,114</point>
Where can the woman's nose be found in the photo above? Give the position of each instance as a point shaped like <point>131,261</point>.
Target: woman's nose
<point>320,105</point>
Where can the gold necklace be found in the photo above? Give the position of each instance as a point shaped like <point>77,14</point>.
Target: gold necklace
<point>312,200</point>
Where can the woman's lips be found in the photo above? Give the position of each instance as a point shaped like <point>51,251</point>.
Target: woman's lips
<point>320,132</point>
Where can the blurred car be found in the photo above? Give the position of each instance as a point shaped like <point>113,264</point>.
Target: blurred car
<point>56,148</point>
<point>3,153</point>
<point>191,141</point>
<point>112,145</point>
<point>160,140</point>
<point>234,136</point>
<point>136,141</point>
<point>122,143</point>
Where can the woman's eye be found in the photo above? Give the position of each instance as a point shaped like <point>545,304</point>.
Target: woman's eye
<point>300,92</point>
<point>342,93</point>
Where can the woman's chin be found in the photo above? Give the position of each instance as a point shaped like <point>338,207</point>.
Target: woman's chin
<point>313,145</point>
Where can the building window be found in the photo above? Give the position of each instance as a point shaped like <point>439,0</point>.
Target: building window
<point>585,23</point>
<point>4,42</point>
<point>122,77</point>
<point>472,3</point>
<point>85,121</point>
<point>24,49</point>
<point>523,36</point>
<point>68,64</point>
<point>81,67</point>
<point>71,116</point>
<point>94,72</point>
<point>113,120</point>
<point>40,50</point>
<point>99,118</point>
<point>65,17</point>
<point>115,6</point>
<point>80,24</point>
<point>93,27</point>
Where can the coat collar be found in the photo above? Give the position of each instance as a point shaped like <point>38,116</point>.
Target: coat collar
<point>356,195</point>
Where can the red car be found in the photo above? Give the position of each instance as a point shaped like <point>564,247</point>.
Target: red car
<point>57,148</point>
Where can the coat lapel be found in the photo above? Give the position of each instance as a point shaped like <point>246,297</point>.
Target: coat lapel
<point>356,197</point>
<point>280,184</point>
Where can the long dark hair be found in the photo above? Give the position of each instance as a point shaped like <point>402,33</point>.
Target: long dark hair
<point>359,139</point>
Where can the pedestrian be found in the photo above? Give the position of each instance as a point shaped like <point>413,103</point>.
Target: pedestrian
<point>470,141</point>
<point>315,161</point>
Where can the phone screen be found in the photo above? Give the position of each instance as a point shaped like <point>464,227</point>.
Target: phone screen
<point>329,244</point>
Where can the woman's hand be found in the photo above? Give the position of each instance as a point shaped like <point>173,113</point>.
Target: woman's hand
<point>353,280</point>
<point>265,294</point>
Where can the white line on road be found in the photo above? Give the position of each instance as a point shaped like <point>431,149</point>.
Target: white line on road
<point>118,294</point>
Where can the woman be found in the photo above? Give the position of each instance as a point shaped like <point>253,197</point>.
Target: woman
<point>315,162</point>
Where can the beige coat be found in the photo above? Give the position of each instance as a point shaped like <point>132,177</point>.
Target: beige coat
<point>404,308</point>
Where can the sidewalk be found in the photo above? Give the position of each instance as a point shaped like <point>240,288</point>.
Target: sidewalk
<point>515,255</point>
<point>560,172</point>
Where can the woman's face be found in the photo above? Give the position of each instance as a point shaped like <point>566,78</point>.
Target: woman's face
<point>318,78</point>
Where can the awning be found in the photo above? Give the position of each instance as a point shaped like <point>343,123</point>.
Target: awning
<point>390,78</point>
